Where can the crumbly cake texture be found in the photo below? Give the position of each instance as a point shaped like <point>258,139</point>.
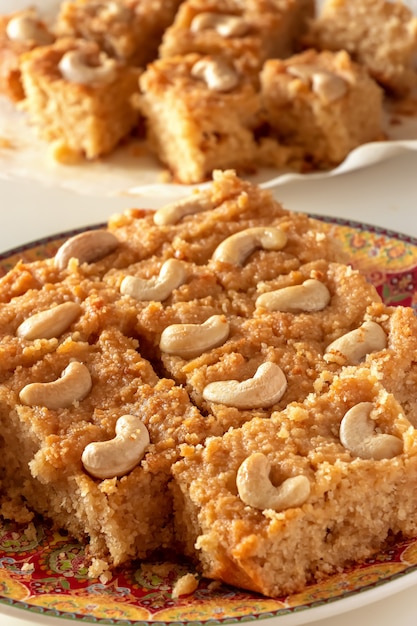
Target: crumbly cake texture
<point>43,446</point>
<point>248,33</point>
<point>129,30</point>
<point>322,102</point>
<point>210,126</point>
<point>218,88</point>
<point>310,110</point>
<point>380,35</point>
<point>206,109</point>
<point>20,32</point>
<point>353,504</point>
<point>217,329</point>
<point>85,103</point>
<point>216,91</point>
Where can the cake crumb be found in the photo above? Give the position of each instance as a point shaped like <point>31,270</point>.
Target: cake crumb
<point>105,577</point>
<point>27,567</point>
<point>185,586</point>
<point>98,568</point>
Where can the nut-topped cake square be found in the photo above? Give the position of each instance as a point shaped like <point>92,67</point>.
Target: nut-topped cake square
<point>79,97</point>
<point>212,378</point>
<point>380,35</point>
<point>286,501</point>
<point>19,32</point>
<point>247,33</point>
<point>129,30</point>
<point>325,103</point>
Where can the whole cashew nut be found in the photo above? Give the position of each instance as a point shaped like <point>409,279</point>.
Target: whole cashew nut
<point>117,456</point>
<point>27,27</point>
<point>236,248</point>
<point>50,323</point>
<point>191,340</point>
<point>357,434</point>
<point>75,68</point>
<point>256,489</point>
<point>86,247</point>
<point>226,25</point>
<point>327,85</point>
<point>311,296</point>
<point>267,387</point>
<point>216,73</point>
<point>355,345</point>
<point>174,212</point>
<point>172,274</point>
<point>73,385</point>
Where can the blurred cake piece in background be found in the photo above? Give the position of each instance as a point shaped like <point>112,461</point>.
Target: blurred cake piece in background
<point>324,103</point>
<point>129,30</point>
<point>380,35</point>
<point>19,32</point>
<point>201,114</point>
<point>79,97</point>
<point>248,32</point>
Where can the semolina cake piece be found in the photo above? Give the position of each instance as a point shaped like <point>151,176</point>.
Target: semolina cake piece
<point>284,502</point>
<point>188,230</point>
<point>248,33</point>
<point>192,228</point>
<point>181,287</point>
<point>319,302</point>
<point>129,30</point>
<point>219,352</point>
<point>36,322</point>
<point>20,32</point>
<point>27,275</point>
<point>86,255</point>
<point>394,363</point>
<point>79,98</point>
<point>249,375</point>
<point>62,456</point>
<point>203,108</point>
<point>380,35</point>
<point>322,102</point>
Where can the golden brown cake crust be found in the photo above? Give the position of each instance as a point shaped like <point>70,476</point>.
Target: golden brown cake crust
<point>380,35</point>
<point>90,117</point>
<point>323,102</point>
<point>277,553</point>
<point>217,333</point>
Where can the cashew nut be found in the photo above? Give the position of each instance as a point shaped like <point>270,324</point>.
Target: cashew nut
<point>172,274</point>
<point>355,345</point>
<point>50,323</point>
<point>312,295</point>
<point>236,248</point>
<point>73,385</point>
<point>216,73</point>
<point>256,489</point>
<point>327,85</point>
<point>28,28</point>
<point>86,247</point>
<point>224,24</point>
<point>357,434</point>
<point>174,212</point>
<point>118,456</point>
<point>191,340</point>
<point>112,10</point>
<point>267,386</point>
<point>75,68</point>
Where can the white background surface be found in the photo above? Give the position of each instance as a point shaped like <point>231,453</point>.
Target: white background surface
<point>383,195</point>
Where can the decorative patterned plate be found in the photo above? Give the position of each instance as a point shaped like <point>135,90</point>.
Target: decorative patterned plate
<point>43,572</point>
